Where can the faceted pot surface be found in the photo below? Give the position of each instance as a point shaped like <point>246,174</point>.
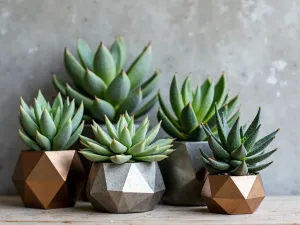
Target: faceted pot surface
<point>125,188</point>
<point>233,194</point>
<point>49,179</point>
<point>184,174</point>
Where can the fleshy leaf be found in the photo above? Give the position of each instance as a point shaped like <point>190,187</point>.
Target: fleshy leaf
<point>85,53</point>
<point>188,118</point>
<point>32,145</point>
<point>186,91</point>
<point>176,98</point>
<point>117,147</point>
<point>234,138</point>
<point>100,108</point>
<point>120,159</point>
<point>93,84</point>
<point>43,141</point>
<point>118,52</point>
<point>239,153</point>
<point>62,137</point>
<point>94,157</point>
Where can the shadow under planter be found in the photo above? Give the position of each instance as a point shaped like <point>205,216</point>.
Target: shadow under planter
<point>49,179</point>
<point>125,188</point>
<point>184,174</point>
<point>233,194</point>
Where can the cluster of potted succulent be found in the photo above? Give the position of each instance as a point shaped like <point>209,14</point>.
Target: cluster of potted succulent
<point>209,159</point>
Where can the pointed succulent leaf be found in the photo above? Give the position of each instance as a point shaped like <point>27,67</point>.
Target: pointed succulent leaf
<point>43,141</point>
<point>235,163</point>
<point>234,137</point>
<point>197,99</point>
<point>131,102</point>
<point>233,119</point>
<point>28,109</point>
<point>118,89</point>
<point>68,112</point>
<point>57,116</point>
<point>121,124</point>
<point>161,150</point>
<point>207,91</point>
<point>152,134</point>
<point>241,170</point>
<point>239,153</point>
<point>100,108</point>
<point>104,64</point>
<point>254,124</point>
<point>161,142</point>
<point>197,134</point>
<point>117,147</point>
<point>140,134</point>
<point>218,165</point>
<point>74,68</point>
<point>86,139</point>
<point>74,137</point>
<point>110,128</point>
<point>217,149</point>
<point>140,67</point>
<point>47,125</point>
<point>77,118</point>
<point>176,98</point>
<point>85,54</point>
<point>125,137</point>
<point>60,86</point>
<point>87,102</point>
<point>98,149</point>
<point>250,140</point>
<point>93,84</point>
<point>120,159</point>
<point>127,117</point>
<point>188,118</point>
<point>258,158</point>
<point>149,85</point>
<point>220,127</point>
<point>131,127</point>
<point>231,105</point>
<point>186,91</point>
<point>37,111</point>
<point>256,168</point>
<point>58,101</point>
<point>94,157</point>
<point>169,151</point>
<point>118,52</point>
<point>137,148</point>
<point>32,145</point>
<point>149,150</point>
<point>226,127</point>
<point>102,137</point>
<point>151,158</point>
<point>62,137</point>
<point>41,100</point>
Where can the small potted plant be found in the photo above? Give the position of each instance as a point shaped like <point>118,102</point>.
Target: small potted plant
<point>47,175</point>
<point>125,176</point>
<point>183,171</point>
<point>234,185</point>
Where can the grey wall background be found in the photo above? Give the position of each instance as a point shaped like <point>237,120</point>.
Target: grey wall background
<point>255,42</point>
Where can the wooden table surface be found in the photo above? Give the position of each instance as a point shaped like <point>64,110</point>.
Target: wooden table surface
<point>273,210</point>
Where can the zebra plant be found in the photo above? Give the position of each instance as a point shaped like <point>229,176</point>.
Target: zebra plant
<point>102,84</point>
<point>236,151</point>
<point>195,107</point>
<point>123,143</point>
<point>47,127</point>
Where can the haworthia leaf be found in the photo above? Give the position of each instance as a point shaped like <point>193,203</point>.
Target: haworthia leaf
<point>152,134</point>
<point>131,102</point>
<point>74,68</point>
<point>250,141</point>
<point>188,118</point>
<point>176,98</point>
<point>28,124</point>
<point>217,149</point>
<point>254,124</point>
<point>98,149</point>
<point>100,108</point>
<point>241,170</point>
<point>117,147</point>
<point>118,51</point>
<point>258,158</point>
<point>140,67</point>
<point>233,119</point>
<point>43,141</point>
<point>207,91</point>
<point>94,157</point>
<point>146,107</point>
<point>197,134</point>
<point>234,137</point>
<point>104,64</point>
<point>186,91</point>
<point>218,165</point>
<point>149,85</point>
<point>61,87</point>
<point>151,158</point>
<point>239,153</point>
<point>118,89</point>
<point>235,163</point>
<point>85,53</point>
<point>220,127</point>
<point>87,102</point>
<point>93,84</point>
<point>110,128</point>
<point>137,148</point>
<point>77,118</point>
<point>168,126</point>
<point>231,105</point>
<point>68,112</point>
<point>125,137</point>
<point>120,159</point>
<point>256,168</point>
<point>74,137</point>
<point>62,137</point>
<point>140,134</point>
<point>197,99</point>
<point>41,100</point>
<point>32,145</point>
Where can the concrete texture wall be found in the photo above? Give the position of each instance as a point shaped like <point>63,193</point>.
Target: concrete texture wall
<point>255,42</point>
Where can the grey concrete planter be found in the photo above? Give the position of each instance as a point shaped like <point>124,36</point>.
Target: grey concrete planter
<point>184,174</point>
<point>125,188</point>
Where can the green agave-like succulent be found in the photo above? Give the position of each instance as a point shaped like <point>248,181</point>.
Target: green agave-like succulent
<point>102,84</point>
<point>236,151</point>
<point>194,107</point>
<point>47,127</point>
<point>124,143</point>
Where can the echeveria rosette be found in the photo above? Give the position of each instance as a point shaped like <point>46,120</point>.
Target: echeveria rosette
<point>102,84</point>
<point>237,151</point>
<point>50,127</point>
<point>125,143</point>
<point>191,108</point>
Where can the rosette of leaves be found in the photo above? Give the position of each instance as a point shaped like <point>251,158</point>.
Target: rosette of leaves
<point>125,143</point>
<point>102,84</point>
<point>237,151</point>
<point>50,127</point>
<point>191,108</point>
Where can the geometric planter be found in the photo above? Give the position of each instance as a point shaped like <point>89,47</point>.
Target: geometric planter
<point>233,194</point>
<point>184,174</point>
<point>125,188</point>
<point>49,179</point>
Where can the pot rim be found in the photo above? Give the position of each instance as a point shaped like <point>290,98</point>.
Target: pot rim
<point>221,175</point>
<point>42,151</point>
<point>124,163</point>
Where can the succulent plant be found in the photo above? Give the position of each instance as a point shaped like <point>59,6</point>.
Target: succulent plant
<point>102,84</point>
<point>237,152</point>
<point>194,107</point>
<point>124,143</point>
<point>47,127</point>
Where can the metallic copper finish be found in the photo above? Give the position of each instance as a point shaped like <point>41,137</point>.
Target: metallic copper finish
<point>49,179</point>
<point>184,174</point>
<point>125,188</point>
<point>233,194</point>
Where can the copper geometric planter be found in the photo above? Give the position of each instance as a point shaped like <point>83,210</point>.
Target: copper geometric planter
<point>49,179</point>
<point>233,194</point>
